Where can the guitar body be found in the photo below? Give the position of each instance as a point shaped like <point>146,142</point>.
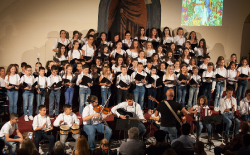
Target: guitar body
<point>122,111</point>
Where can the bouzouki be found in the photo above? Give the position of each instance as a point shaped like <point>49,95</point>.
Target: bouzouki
<point>183,118</point>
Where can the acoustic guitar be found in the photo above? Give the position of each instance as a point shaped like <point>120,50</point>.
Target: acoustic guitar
<point>183,118</point>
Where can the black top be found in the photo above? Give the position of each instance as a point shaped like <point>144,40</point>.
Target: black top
<point>167,118</point>
<point>157,149</point>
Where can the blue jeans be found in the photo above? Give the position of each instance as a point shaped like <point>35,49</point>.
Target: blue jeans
<point>139,93</point>
<point>12,145</point>
<point>241,90</point>
<point>142,129</point>
<point>13,97</point>
<point>40,134</point>
<point>207,91</point>
<point>228,118</point>
<point>171,132</point>
<point>28,97</point>
<point>91,131</point>
<point>182,91</point>
<point>208,126</point>
<point>84,93</point>
<point>54,99</point>
<point>69,93</point>
<point>193,95</point>
<point>151,92</point>
<point>40,98</point>
<point>245,118</point>
<point>166,89</point>
<point>219,91</point>
<point>105,92</point>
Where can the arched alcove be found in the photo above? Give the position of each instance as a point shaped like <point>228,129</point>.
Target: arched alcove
<point>245,46</point>
<point>153,10</point>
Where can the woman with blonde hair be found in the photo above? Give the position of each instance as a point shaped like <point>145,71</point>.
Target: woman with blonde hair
<point>169,79</point>
<point>105,82</point>
<point>149,50</point>
<point>82,146</point>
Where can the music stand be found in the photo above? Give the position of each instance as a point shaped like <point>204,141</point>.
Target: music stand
<point>126,124</point>
<point>215,119</point>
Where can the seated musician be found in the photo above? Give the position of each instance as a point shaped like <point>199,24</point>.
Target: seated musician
<point>67,118</point>
<point>40,124</point>
<point>227,108</point>
<point>92,122</point>
<point>130,106</point>
<point>168,120</point>
<point>202,109</point>
<point>6,133</point>
<point>244,109</point>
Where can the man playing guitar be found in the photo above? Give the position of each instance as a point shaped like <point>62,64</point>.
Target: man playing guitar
<point>133,107</point>
<point>168,120</point>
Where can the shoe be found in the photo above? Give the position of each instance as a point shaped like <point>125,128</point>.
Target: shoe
<point>79,116</point>
<point>31,117</point>
<point>216,109</point>
<point>26,118</point>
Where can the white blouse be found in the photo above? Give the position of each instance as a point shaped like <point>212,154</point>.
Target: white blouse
<point>89,52</point>
<point>132,54</point>
<point>12,79</point>
<point>179,41</point>
<point>150,53</point>
<point>58,40</point>
<point>114,52</point>
<point>168,40</point>
<point>75,55</point>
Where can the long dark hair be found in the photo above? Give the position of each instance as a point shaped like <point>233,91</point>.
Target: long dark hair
<point>204,45</point>
<point>88,33</point>
<point>133,47</point>
<point>139,32</point>
<point>189,37</point>
<point>59,53</point>
<point>93,44</point>
<point>163,32</point>
<point>151,33</point>
<point>74,33</point>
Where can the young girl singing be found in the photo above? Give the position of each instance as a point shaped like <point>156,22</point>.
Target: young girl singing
<point>116,68</point>
<point>88,49</point>
<point>62,40</point>
<point>169,59</point>
<point>149,50</point>
<point>90,32</point>
<point>106,86</point>
<point>231,75</point>
<point>201,50</point>
<point>176,53</point>
<point>141,58</point>
<point>141,36</point>
<point>153,35</point>
<point>169,79</point>
<point>182,77</point>
<point>179,39</point>
<point>62,55</point>
<point>166,37</point>
<point>193,39</point>
<point>74,53</point>
<point>49,64</point>
<point>76,36</point>
<point>69,86</point>
<point>192,63</point>
<point>233,58</point>
<point>160,53</point>
<point>176,67</point>
<point>12,81</point>
<point>185,58</point>
<point>219,83</point>
<point>117,51</point>
<point>36,73</point>
<point>134,49</point>
<point>155,60</point>
<point>127,41</point>
<point>242,80</point>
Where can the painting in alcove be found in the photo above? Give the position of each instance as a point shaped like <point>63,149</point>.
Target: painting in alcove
<point>126,15</point>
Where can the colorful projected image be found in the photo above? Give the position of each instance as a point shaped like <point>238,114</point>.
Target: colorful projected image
<point>202,12</point>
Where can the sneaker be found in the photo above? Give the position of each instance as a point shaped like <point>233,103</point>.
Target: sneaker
<point>216,109</point>
<point>26,118</point>
<point>31,117</point>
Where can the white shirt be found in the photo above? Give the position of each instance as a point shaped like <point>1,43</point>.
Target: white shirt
<point>42,81</point>
<point>124,41</point>
<point>89,110</point>
<point>145,38</point>
<point>143,61</point>
<point>199,51</point>
<point>8,128</point>
<point>147,70</point>
<point>190,67</point>
<point>172,77</point>
<point>116,68</point>
<point>53,79</point>
<point>243,70</point>
<point>39,120</point>
<point>244,107</point>
<point>155,77</point>
<point>125,78</point>
<point>170,62</point>
<point>231,74</point>
<point>75,55</point>
<point>62,58</point>
<point>226,104</point>
<point>156,39</point>
<point>179,41</point>
<point>110,79</point>
<point>133,77</point>
<point>80,77</point>
<point>168,40</point>
<point>207,74</point>
<point>69,77</point>
<point>186,61</point>
<point>197,78</point>
<point>135,108</point>
<point>132,54</point>
<point>67,120</point>
<point>2,82</point>
<point>58,40</point>
<point>114,52</point>
<point>29,80</point>
<point>89,52</point>
<point>198,109</point>
<point>150,53</point>
<point>222,72</point>
<point>12,79</point>
<point>203,66</point>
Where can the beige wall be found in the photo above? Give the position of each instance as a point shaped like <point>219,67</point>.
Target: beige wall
<point>29,27</point>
